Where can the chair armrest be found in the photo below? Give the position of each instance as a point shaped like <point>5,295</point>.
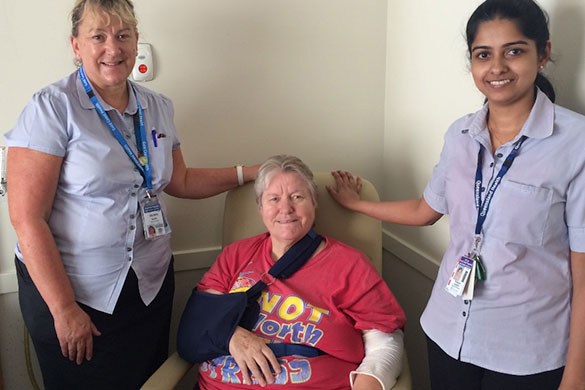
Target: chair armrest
<point>404,380</point>
<point>169,374</point>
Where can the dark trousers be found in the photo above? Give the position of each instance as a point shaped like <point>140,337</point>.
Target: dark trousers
<point>133,344</point>
<point>452,374</point>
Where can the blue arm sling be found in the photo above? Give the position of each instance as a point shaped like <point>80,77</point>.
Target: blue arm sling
<point>209,320</point>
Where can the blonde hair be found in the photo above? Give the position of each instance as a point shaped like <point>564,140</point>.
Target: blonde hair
<point>121,9</point>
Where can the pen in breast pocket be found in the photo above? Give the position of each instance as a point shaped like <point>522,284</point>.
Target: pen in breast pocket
<point>154,138</point>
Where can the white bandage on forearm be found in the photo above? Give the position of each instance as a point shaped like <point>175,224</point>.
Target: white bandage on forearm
<point>383,358</point>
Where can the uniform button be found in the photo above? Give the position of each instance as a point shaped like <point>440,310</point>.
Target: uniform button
<point>136,185</point>
<point>491,165</point>
<point>133,194</point>
<point>127,136</point>
<point>464,131</point>
<point>129,249</point>
<point>464,314</point>
<point>129,258</point>
<point>132,216</point>
<point>466,302</point>
<point>499,155</point>
<point>482,189</point>
<point>132,227</point>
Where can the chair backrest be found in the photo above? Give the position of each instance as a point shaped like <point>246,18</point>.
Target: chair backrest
<point>241,219</point>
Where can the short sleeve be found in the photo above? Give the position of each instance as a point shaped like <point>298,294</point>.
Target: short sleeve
<point>170,122</point>
<point>366,298</point>
<point>219,275</point>
<point>434,193</point>
<point>575,212</point>
<point>42,126</point>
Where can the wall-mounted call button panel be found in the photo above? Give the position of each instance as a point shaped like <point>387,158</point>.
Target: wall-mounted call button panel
<point>144,66</point>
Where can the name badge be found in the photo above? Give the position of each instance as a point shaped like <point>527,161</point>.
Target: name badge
<point>468,292</point>
<point>460,276</point>
<point>154,222</point>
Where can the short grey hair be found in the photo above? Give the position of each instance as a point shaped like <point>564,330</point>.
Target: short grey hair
<point>284,163</point>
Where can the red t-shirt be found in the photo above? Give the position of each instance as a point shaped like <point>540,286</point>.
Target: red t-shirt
<point>325,304</point>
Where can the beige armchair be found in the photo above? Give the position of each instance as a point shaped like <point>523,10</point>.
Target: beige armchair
<point>241,220</point>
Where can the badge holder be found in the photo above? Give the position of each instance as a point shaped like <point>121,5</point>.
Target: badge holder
<point>460,276</point>
<point>477,274</point>
<point>467,271</point>
<point>154,222</point>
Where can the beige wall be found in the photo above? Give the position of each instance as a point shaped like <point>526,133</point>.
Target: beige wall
<point>248,78</point>
<point>369,86</point>
<point>429,86</point>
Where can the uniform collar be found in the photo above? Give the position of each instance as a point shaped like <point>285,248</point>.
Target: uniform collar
<point>131,109</point>
<point>540,122</point>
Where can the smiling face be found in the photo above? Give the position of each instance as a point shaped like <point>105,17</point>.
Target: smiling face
<point>287,210</point>
<point>504,63</point>
<point>107,48</point>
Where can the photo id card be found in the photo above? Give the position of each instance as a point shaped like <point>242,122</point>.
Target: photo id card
<point>153,219</point>
<point>468,292</point>
<point>460,275</point>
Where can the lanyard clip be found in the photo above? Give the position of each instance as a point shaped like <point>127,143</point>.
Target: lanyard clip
<point>476,244</point>
<point>148,194</point>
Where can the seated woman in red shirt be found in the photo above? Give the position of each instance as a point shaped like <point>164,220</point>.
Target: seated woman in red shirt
<point>335,302</point>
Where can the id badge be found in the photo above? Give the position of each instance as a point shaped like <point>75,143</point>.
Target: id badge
<point>154,222</point>
<point>460,276</point>
<point>468,292</point>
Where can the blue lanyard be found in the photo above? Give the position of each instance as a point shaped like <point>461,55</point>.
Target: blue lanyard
<point>483,208</point>
<point>139,131</point>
